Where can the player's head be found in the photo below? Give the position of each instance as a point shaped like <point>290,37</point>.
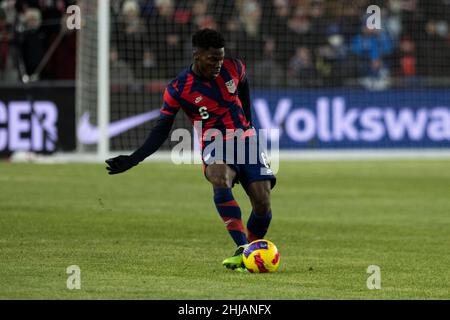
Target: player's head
<point>208,52</point>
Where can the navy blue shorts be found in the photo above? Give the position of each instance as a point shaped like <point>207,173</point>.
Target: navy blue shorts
<point>244,155</point>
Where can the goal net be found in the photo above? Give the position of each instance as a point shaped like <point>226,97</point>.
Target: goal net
<point>330,75</point>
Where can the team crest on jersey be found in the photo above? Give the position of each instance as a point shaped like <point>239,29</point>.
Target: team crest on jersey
<point>198,99</point>
<point>231,86</point>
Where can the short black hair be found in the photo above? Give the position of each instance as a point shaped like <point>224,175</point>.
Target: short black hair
<point>206,38</point>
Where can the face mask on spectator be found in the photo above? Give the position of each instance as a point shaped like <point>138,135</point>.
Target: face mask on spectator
<point>442,28</point>
<point>336,40</point>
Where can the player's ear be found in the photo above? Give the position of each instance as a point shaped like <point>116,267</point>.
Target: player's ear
<point>195,54</point>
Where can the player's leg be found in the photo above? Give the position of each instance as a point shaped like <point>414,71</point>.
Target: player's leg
<point>221,176</point>
<point>259,220</point>
<point>258,180</point>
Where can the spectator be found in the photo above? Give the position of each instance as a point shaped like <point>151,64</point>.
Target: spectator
<point>233,35</point>
<point>131,40</point>
<point>268,72</point>
<point>250,13</point>
<point>406,63</point>
<point>434,56</point>
<point>223,11</point>
<point>275,17</point>
<point>166,38</point>
<point>299,22</point>
<point>405,19</point>
<point>407,58</point>
<point>10,12</point>
<point>201,18</point>
<point>348,17</point>
<point>8,72</point>
<point>32,40</point>
<point>302,71</point>
<point>371,47</point>
<point>334,65</point>
<point>319,42</point>
<point>318,24</point>
<point>119,70</point>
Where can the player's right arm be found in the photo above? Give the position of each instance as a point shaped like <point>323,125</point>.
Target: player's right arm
<point>155,139</point>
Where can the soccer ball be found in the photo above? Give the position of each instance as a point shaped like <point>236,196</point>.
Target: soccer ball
<point>261,256</point>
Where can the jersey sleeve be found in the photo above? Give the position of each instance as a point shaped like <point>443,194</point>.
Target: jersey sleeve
<point>240,69</point>
<point>171,105</point>
<point>161,130</point>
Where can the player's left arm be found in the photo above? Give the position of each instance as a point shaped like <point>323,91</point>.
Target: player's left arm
<point>244,91</point>
<point>244,96</point>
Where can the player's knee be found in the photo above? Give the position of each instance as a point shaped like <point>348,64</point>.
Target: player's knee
<point>262,206</point>
<point>220,176</point>
<point>221,181</point>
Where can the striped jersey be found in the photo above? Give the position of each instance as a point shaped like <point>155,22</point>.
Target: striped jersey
<point>213,103</point>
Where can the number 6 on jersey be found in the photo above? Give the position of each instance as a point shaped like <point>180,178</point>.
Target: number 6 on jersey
<point>203,112</point>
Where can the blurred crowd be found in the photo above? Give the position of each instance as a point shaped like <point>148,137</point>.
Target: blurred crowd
<point>299,43</point>
<point>34,40</point>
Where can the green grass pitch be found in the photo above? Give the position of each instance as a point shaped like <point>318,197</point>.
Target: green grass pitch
<point>154,233</point>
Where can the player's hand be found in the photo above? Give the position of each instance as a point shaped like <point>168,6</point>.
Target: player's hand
<point>250,127</point>
<point>119,164</point>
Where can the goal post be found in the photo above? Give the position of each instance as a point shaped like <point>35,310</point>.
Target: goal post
<point>119,87</point>
<point>103,77</point>
<point>92,82</point>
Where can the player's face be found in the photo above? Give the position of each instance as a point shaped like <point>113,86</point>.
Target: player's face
<point>210,62</point>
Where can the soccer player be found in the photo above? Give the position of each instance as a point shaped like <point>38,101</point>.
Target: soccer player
<point>214,92</point>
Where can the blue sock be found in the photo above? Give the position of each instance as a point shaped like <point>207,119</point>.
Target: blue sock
<point>230,213</point>
<point>257,226</point>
